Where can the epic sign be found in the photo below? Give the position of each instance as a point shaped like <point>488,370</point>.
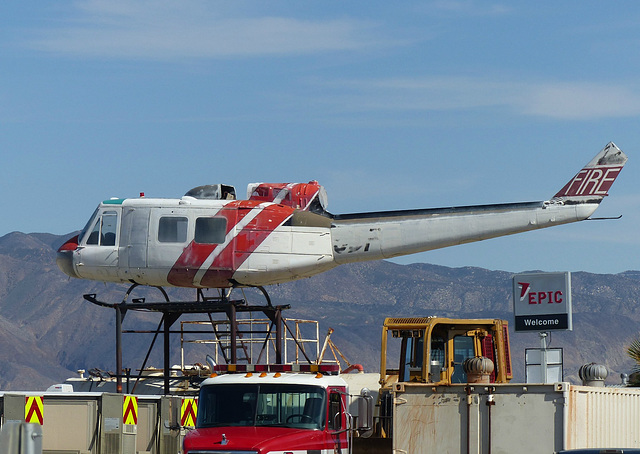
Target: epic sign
<point>542,301</point>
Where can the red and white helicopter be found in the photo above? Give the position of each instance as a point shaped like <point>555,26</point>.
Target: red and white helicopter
<point>283,232</point>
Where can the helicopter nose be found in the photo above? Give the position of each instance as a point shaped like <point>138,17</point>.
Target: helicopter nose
<point>64,258</point>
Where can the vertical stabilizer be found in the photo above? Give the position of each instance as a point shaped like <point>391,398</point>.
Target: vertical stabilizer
<point>595,179</point>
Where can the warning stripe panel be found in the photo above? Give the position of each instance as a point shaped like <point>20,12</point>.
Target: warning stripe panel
<point>34,410</point>
<point>188,412</point>
<point>130,410</point>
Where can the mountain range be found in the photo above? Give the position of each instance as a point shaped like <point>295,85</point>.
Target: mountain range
<point>48,331</point>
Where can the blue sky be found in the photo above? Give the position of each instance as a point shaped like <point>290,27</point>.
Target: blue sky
<point>389,105</point>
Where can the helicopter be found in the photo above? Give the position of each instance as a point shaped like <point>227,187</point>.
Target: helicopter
<point>283,232</point>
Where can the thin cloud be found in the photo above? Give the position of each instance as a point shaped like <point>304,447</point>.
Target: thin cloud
<point>565,100</point>
<point>470,7</point>
<point>581,100</point>
<point>194,29</point>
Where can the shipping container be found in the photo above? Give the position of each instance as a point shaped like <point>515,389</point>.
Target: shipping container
<point>508,418</point>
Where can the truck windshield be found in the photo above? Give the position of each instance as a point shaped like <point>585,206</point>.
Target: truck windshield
<point>299,406</point>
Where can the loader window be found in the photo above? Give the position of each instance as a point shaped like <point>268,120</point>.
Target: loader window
<point>463,348</point>
<point>410,356</point>
<point>211,230</point>
<point>437,358</point>
<point>412,364</point>
<point>418,351</point>
<point>437,349</point>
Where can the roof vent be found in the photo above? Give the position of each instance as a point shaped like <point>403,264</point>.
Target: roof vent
<point>593,374</point>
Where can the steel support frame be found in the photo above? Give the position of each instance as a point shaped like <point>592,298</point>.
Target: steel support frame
<point>172,311</point>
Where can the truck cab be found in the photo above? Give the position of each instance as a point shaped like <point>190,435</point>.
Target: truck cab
<point>271,409</point>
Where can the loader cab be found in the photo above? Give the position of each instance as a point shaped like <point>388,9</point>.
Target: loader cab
<point>432,350</point>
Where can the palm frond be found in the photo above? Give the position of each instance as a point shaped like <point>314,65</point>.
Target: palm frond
<point>634,352</point>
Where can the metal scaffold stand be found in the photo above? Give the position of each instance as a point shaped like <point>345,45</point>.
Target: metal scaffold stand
<point>229,341</point>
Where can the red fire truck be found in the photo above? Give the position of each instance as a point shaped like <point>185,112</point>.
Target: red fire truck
<point>280,409</point>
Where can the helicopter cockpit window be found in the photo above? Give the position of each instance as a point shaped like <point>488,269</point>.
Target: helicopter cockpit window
<point>94,236</point>
<point>211,230</point>
<point>104,230</point>
<point>172,229</point>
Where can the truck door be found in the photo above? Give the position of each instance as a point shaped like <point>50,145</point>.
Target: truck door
<point>337,423</point>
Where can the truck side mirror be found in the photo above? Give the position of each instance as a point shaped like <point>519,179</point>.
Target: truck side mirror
<point>365,413</point>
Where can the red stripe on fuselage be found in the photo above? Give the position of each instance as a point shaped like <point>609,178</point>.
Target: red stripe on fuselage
<point>244,243</point>
<point>230,256</point>
<point>184,271</point>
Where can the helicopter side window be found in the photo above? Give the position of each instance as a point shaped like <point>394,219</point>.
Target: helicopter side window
<point>104,230</point>
<point>260,192</point>
<point>211,230</point>
<point>282,196</point>
<point>172,229</point>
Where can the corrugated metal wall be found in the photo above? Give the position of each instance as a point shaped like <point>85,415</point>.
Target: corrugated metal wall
<point>532,418</point>
<point>603,417</point>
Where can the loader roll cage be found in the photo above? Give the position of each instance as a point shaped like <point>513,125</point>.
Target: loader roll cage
<point>432,349</point>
